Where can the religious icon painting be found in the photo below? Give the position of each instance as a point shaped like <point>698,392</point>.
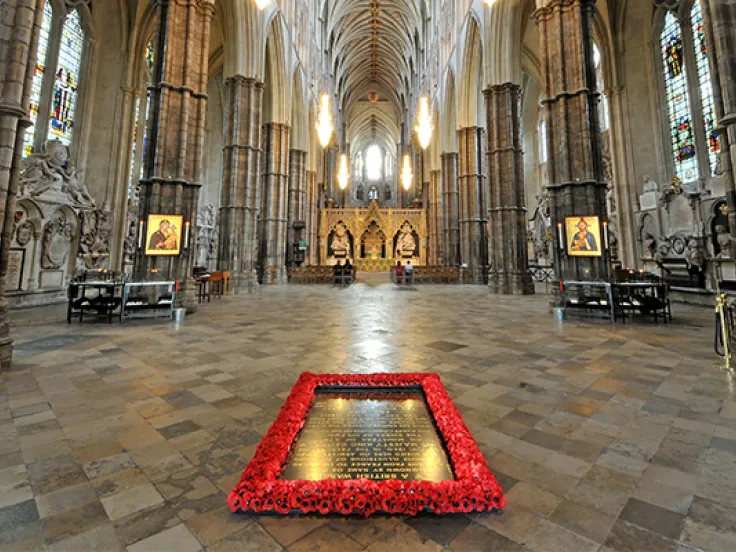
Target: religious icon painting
<point>163,235</point>
<point>583,236</point>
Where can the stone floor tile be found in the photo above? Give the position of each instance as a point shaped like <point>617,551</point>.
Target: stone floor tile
<point>74,522</point>
<point>14,485</point>
<point>99,539</point>
<point>706,538</point>
<point>145,523</point>
<point>514,523</point>
<point>288,530</point>
<point>583,520</point>
<point>325,538</point>
<point>178,539</point>
<point>129,501</point>
<point>651,517</point>
<point>476,538</point>
<point>627,537</point>
<point>442,530</point>
<point>369,530</point>
<point>19,514</point>
<point>215,525</point>
<point>65,499</point>
<point>402,539</point>
<point>676,499</point>
<point>532,498</point>
<point>251,538</point>
<point>552,538</point>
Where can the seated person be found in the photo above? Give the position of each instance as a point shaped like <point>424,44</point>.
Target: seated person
<point>337,271</point>
<point>348,272</point>
<point>409,272</point>
<point>399,272</point>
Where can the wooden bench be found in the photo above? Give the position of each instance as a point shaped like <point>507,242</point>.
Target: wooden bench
<point>428,275</point>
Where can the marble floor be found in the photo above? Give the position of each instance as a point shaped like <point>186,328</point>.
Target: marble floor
<point>603,437</point>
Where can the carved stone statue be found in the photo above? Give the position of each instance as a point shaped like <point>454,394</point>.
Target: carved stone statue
<point>695,256</point>
<point>131,236</point>
<point>650,245</point>
<point>406,245</point>
<point>340,241</point>
<point>52,175</point>
<point>650,185</point>
<point>723,238</point>
<point>206,216</point>
<point>96,231</point>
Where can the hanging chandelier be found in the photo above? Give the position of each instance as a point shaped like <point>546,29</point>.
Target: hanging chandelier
<point>343,174</point>
<point>324,121</point>
<point>406,175</point>
<point>424,123</point>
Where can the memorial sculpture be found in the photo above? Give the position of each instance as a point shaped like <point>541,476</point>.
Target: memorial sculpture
<point>340,244</point>
<point>723,239</point>
<point>52,176</point>
<point>406,245</point>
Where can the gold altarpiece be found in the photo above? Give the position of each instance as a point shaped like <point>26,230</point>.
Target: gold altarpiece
<point>377,237</point>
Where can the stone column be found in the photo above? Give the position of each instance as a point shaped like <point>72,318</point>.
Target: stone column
<point>471,180</point>
<point>507,243</point>
<point>173,169</point>
<point>435,250</point>
<point>20,23</point>
<point>577,186</point>
<point>274,203</point>
<point>312,210</point>
<point>720,17</point>
<point>450,229</point>
<point>297,200</point>
<point>237,246</point>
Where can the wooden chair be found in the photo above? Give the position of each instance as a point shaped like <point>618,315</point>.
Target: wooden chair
<point>217,284</point>
<point>227,280</point>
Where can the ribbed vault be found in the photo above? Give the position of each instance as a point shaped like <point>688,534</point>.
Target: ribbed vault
<point>374,44</point>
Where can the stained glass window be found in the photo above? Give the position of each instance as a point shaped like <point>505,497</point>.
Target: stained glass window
<point>373,163</point>
<point>706,89</point>
<point>603,110</point>
<point>66,92</point>
<point>678,101</point>
<point>38,74</point>
<point>139,134</point>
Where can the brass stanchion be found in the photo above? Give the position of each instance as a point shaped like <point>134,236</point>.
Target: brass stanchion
<point>722,335</point>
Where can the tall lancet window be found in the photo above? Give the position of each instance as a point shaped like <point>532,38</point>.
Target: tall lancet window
<point>704,85</point>
<point>682,133</point>
<point>66,84</point>
<point>39,72</point>
<point>140,128</point>
<point>689,93</point>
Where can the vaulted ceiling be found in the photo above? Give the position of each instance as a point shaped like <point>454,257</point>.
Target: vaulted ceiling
<point>373,45</point>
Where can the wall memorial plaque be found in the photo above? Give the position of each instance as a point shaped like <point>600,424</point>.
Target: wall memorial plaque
<point>16,262</point>
<point>367,443</point>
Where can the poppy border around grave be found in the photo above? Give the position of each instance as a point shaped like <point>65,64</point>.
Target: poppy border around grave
<point>260,490</point>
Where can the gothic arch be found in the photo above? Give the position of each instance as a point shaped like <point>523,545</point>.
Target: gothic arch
<point>470,108</point>
<point>448,137</point>
<point>276,105</point>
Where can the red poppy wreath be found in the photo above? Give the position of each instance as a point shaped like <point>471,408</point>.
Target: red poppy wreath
<point>474,488</point>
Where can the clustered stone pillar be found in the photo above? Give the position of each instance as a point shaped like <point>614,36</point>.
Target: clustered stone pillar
<point>237,247</point>
<point>20,22</point>
<point>507,245</point>
<point>570,103</point>
<point>720,16</point>
<point>173,168</point>
<point>471,181</point>
<point>449,192</point>
<point>297,200</point>
<point>274,203</point>
<point>434,213</point>
<point>312,213</point>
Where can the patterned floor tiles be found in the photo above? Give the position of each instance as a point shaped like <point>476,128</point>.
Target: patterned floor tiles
<point>604,437</point>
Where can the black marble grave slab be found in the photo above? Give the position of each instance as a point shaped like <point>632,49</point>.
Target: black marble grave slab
<point>369,433</point>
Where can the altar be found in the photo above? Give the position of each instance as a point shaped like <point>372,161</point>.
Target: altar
<point>373,239</point>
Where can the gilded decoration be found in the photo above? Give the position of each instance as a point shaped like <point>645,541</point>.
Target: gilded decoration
<point>378,237</point>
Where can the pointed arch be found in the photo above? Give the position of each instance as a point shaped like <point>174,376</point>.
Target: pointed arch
<point>448,138</point>
<point>470,110</point>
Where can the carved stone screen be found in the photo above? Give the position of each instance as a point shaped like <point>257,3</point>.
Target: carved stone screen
<point>369,434</point>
